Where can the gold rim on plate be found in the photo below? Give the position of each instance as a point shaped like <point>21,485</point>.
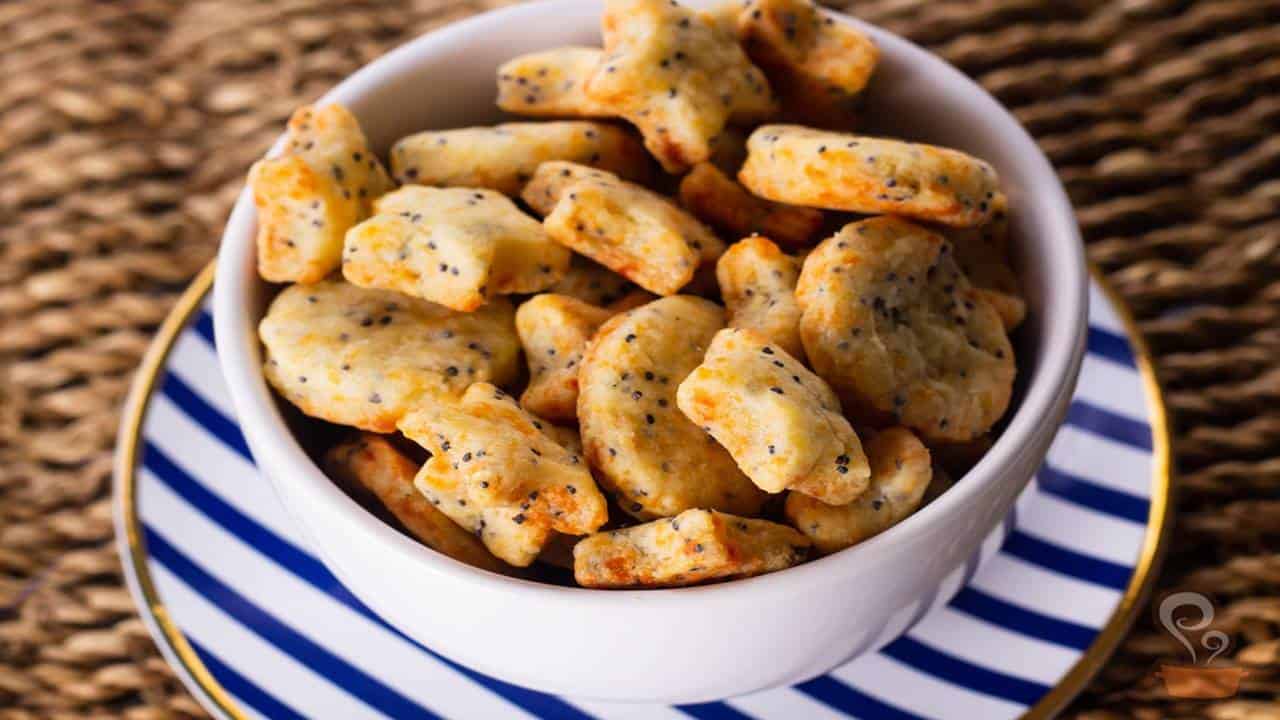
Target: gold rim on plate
<point>215,696</point>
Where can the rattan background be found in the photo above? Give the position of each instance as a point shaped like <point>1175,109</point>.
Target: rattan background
<point>126,128</point>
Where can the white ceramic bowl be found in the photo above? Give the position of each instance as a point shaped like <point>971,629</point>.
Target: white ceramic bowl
<point>692,644</point>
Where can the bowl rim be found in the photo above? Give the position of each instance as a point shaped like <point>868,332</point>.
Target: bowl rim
<point>277,450</point>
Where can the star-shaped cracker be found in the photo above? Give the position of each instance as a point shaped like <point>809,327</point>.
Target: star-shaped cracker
<point>677,75</point>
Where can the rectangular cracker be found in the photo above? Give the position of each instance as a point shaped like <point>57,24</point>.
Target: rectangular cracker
<point>372,463</point>
<point>717,200</point>
<point>779,421</point>
<point>551,83</point>
<point>838,171</point>
<point>492,462</point>
<point>324,182</point>
<point>693,547</point>
<point>503,157</point>
<point>453,246</point>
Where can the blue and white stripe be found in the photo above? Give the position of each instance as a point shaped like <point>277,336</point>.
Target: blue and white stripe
<point>222,553</point>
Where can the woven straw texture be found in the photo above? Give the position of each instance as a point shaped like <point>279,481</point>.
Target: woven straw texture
<point>126,129</point>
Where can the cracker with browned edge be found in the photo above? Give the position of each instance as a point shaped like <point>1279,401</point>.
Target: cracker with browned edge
<point>371,462</point>
<point>818,66</point>
<point>652,458</point>
<point>779,421</point>
<point>758,285</point>
<point>677,76</point>
<point>362,357</point>
<point>894,325</point>
<point>631,230</point>
<point>719,201</point>
<point>547,187</point>
<point>592,283</point>
<point>323,182</point>
<point>454,246</point>
<point>900,475</point>
<point>838,171</point>
<point>983,254</point>
<point>503,157</point>
<point>555,330</point>
<point>491,460</point>
<point>551,83</point>
<point>693,547</point>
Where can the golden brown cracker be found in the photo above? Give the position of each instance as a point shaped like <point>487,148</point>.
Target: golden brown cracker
<point>893,324</point>
<point>677,76</point>
<point>371,462</point>
<point>550,83</point>
<point>983,255</point>
<point>758,285</point>
<point>362,357</point>
<point>900,474</point>
<point>816,65</point>
<point>631,230</point>
<point>693,547</point>
<point>491,458</point>
<point>504,157</point>
<point>838,171</point>
<point>453,246</point>
<point>324,181</point>
<point>555,330</point>
<point>779,421</point>
<point>592,283</point>
<point>719,201</point>
<point>652,458</point>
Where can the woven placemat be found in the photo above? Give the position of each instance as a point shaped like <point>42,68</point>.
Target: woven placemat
<point>126,128</point>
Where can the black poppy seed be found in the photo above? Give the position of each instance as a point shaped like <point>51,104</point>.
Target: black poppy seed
<point>571,489</point>
<point>697,548</point>
<point>776,391</point>
<point>366,322</point>
<point>613,453</point>
<point>778,363</point>
<point>375,398</point>
<point>650,419</point>
<point>662,402</point>
<point>518,519</point>
<point>842,469</point>
<point>451,371</point>
<point>630,337</point>
<point>444,446</point>
<point>648,375</point>
<point>766,350</point>
<point>636,507</point>
<point>637,395</point>
<point>302,378</point>
<point>771,449</point>
<point>453,270</point>
<point>484,484</point>
<point>822,149</point>
<point>877,504</point>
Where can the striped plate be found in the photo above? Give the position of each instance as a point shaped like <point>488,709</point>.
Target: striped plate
<point>257,627</point>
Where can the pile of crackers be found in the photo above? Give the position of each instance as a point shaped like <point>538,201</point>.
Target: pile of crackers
<point>709,388</point>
